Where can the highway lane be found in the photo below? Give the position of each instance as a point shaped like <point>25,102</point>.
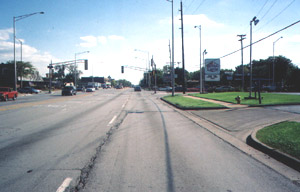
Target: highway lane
<point>157,149</point>
<point>46,141</point>
<point>120,140</point>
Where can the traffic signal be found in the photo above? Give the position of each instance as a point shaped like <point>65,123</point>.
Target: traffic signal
<point>86,64</point>
<point>122,69</point>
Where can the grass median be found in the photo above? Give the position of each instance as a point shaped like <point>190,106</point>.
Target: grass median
<point>267,98</point>
<point>283,136</point>
<point>184,102</point>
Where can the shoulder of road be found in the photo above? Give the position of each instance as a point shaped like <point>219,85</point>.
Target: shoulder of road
<point>250,139</point>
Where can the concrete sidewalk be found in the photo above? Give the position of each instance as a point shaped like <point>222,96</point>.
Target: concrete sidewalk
<point>228,105</point>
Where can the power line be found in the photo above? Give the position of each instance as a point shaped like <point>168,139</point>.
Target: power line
<point>263,38</point>
<point>189,5</point>
<point>198,7</point>
<point>269,9</point>
<point>262,8</point>
<point>277,14</point>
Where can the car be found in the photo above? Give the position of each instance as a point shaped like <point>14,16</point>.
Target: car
<point>119,87</point>
<point>29,90</point>
<point>7,93</point>
<point>137,88</point>
<point>68,90</point>
<point>80,89</point>
<point>90,88</point>
<point>224,89</point>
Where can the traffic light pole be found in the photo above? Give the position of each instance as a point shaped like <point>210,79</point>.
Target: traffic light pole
<point>65,63</point>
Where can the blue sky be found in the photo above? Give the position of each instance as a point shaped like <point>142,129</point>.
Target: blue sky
<point>112,29</point>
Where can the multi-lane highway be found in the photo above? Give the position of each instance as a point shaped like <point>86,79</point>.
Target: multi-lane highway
<point>119,140</point>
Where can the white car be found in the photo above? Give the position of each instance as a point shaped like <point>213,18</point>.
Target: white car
<point>90,89</point>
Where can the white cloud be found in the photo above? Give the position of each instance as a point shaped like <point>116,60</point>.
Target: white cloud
<point>102,40</point>
<point>192,20</point>
<point>89,41</point>
<point>38,59</point>
<point>93,41</point>
<point>5,33</point>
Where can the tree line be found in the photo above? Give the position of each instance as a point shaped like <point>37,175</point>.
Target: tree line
<point>286,75</point>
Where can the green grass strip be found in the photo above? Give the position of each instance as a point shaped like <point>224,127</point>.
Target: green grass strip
<point>283,136</point>
<point>268,98</point>
<point>185,102</point>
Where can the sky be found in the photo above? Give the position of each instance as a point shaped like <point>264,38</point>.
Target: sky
<point>131,32</point>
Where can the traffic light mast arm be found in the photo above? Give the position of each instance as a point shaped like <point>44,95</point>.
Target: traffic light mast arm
<point>134,68</point>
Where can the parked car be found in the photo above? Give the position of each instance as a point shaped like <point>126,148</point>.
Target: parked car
<point>81,89</point>
<point>90,88</point>
<point>29,90</point>
<point>137,88</point>
<point>119,87</point>
<point>68,90</point>
<point>224,89</point>
<point>7,93</point>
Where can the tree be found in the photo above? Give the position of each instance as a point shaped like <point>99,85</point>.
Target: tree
<point>60,73</point>
<point>70,77</point>
<point>25,70</point>
<point>124,82</point>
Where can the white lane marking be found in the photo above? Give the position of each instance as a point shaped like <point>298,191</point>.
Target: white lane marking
<point>125,103</point>
<point>113,119</point>
<point>64,185</point>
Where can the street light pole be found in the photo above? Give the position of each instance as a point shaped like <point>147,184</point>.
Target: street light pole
<point>21,62</point>
<point>172,65</point>
<point>75,79</point>
<point>15,19</point>
<point>255,20</point>
<point>200,80</point>
<point>274,59</point>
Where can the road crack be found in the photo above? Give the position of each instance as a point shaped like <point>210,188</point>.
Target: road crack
<point>86,170</point>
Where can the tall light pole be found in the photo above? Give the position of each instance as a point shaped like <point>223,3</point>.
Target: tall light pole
<point>76,66</point>
<point>274,59</point>
<point>243,78</point>
<point>200,80</point>
<point>172,64</point>
<point>21,61</point>
<point>15,19</point>
<point>255,20</point>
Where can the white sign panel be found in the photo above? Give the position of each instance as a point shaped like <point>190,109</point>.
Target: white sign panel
<point>212,69</point>
<point>212,77</point>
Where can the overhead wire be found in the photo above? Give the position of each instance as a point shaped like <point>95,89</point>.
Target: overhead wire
<point>277,15</point>
<point>189,5</point>
<point>198,7</point>
<point>262,7</point>
<point>262,38</point>
<point>269,9</point>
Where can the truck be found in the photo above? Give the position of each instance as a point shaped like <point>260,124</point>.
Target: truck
<point>7,93</point>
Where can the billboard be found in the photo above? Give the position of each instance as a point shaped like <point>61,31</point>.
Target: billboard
<point>212,69</point>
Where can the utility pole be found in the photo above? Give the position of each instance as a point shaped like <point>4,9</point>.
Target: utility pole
<point>183,67</point>
<point>170,59</point>
<point>243,78</point>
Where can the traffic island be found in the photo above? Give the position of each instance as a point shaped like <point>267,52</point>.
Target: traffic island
<point>279,141</point>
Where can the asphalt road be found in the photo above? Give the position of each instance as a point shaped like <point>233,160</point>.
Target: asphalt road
<point>119,140</point>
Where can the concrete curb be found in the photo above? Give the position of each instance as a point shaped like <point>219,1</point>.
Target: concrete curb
<point>192,108</point>
<point>274,153</point>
